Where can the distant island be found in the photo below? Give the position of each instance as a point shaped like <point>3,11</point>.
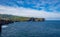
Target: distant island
<point>6,19</point>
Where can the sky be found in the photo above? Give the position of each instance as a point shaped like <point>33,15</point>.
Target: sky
<point>48,9</point>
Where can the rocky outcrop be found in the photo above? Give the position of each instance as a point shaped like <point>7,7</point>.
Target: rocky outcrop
<point>36,19</point>
<point>19,18</point>
<point>7,19</point>
<point>2,22</point>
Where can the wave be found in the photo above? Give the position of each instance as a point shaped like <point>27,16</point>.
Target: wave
<point>4,26</point>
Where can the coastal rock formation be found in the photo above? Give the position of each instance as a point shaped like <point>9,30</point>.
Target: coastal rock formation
<point>36,19</point>
<point>7,19</point>
<point>2,22</point>
<point>19,18</point>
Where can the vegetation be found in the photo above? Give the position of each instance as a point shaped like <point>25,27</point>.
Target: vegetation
<point>18,18</point>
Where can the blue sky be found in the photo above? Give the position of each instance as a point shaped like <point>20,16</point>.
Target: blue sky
<point>49,9</point>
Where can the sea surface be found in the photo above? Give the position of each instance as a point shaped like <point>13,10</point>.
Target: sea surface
<point>32,29</point>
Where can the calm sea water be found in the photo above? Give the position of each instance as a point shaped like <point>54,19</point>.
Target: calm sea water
<point>32,29</point>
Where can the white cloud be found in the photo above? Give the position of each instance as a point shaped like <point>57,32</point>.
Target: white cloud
<point>27,12</point>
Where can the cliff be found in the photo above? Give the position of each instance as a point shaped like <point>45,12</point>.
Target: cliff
<point>19,18</point>
<point>10,18</point>
<point>7,19</point>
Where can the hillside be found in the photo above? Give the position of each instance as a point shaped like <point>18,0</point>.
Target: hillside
<point>12,17</point>
<point>18,18</point>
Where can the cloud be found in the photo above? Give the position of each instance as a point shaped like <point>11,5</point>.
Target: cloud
<point>47,5</point>
<point>27,12</point>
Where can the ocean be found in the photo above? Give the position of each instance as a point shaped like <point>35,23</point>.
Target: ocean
<point>48,28</point>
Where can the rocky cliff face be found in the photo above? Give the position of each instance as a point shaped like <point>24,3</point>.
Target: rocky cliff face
<point>6,19</point>
<point>2,22</point>
<point>36,19</point>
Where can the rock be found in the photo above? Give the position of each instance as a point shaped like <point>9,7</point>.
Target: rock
<point>4,22</point>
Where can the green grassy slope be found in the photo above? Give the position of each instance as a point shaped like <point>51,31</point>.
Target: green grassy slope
<point>13,18</point>
<point>18,18</point>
